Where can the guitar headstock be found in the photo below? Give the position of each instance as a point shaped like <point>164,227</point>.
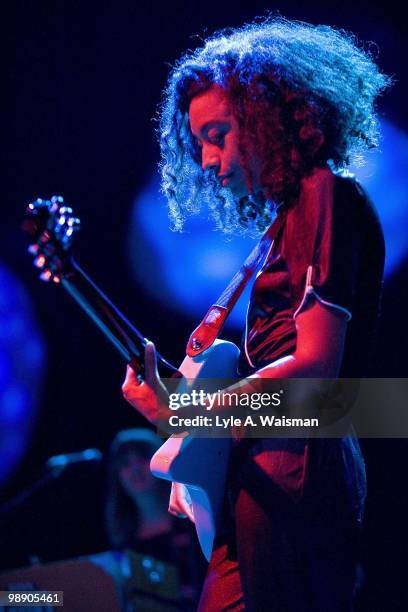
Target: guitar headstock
<point>52,228</point>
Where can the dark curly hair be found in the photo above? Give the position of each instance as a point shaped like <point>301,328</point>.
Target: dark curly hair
<point>303,96</point>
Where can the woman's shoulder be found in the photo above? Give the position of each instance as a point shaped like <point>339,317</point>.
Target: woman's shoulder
<point>322,179</point>
<point>339,190</point>
<point>349,194</point>
<point>331,203</point>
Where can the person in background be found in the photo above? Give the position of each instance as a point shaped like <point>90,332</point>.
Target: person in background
<point>136,514</point>
<point>136,510</point>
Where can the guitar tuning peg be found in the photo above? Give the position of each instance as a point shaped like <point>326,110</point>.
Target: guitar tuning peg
<point>46,275</point>
<point>57,199</point>
<point>75,224</point>
<point>56,279</point>
<point>45,236</point>
<point>39,261</point>
<point>33,249</point>
<point>35,205</point>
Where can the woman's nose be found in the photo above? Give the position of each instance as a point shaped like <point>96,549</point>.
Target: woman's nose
<point>210,161</point>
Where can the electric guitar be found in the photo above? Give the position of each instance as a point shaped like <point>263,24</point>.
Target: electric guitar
<point>198,463</point>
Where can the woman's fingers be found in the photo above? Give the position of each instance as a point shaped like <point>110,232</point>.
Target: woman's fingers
<point>180,502</point>
<point>131,381</point>
<point>176,512</point>
<point>151,373</point>
<point>148,396</point>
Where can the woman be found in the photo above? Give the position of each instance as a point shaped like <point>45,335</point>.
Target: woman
<point>136,511</point>
<point>136,514</point>
<point>262,120</point>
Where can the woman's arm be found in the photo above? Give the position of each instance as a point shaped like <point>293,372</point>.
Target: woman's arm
<point>320,331</point>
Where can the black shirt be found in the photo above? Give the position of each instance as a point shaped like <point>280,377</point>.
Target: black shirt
<point>329,244</point>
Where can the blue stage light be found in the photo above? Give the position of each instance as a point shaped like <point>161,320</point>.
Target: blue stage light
<point>384,176</point>
<point>22,360</point>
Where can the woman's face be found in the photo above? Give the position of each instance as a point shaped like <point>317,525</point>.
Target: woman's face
<point>216,132</point>
<point>134,474</point>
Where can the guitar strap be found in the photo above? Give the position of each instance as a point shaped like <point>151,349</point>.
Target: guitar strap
<point>210,327</point>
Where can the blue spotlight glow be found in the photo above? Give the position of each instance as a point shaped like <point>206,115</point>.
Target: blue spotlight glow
<point>22,357</point>
<point>385,177</point>
<point>190,270</point>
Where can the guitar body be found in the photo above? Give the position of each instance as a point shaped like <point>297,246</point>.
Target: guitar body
<point>200,463</point>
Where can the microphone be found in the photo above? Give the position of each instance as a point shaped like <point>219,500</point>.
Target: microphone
<point>54,467</point>
<point>61,462</point>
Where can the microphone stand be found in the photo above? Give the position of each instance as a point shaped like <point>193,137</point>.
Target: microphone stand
<point>53,469</point>
<point>44,479</point>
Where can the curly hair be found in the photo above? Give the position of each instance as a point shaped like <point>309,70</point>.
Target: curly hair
<point>303,96</point>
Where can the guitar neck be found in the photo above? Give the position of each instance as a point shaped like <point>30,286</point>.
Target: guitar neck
<point>52,227</point>
<point>123,336</point>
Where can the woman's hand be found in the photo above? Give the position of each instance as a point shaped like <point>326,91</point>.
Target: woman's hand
<point>180,502</point>
<point>148,396</point>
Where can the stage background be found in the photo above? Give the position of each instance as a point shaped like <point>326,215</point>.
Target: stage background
<point>81,85</point>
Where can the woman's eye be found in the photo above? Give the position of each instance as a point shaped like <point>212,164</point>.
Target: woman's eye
<point>215,138</point>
